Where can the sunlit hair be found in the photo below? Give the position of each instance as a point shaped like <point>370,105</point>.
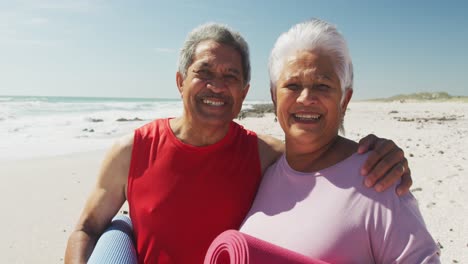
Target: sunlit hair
<point>312,35</point>
<point>221,34</point>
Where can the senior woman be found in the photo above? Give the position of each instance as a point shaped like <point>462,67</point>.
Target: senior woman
<point>312,200</point>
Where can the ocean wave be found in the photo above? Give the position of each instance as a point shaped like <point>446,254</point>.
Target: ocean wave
<point>6,99</point>
<point>7,117</point>
<point>51,125</point>
<point>34,108</point>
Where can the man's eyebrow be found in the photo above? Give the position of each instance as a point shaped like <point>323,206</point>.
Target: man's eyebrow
<point>204,65</point>
<point>235,71</point>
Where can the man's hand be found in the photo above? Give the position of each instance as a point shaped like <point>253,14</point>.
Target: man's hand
<point>385,165</point>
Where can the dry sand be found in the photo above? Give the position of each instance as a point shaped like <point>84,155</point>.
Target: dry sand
<point>42,198</point>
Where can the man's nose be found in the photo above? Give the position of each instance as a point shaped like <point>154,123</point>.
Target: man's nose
<point>216,84</point>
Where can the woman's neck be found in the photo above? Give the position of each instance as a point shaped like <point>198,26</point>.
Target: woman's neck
<point>314,157</point>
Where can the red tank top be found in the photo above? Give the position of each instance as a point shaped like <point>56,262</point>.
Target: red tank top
<point>181,196</point>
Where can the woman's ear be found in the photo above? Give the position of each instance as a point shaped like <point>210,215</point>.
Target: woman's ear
<point>344,106</point>
<point>273,98</point>
<point>347,97</point>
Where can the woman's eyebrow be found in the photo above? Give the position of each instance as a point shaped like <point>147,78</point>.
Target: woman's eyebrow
<point>323,77</point>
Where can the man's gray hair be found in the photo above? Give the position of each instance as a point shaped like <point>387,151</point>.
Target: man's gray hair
<point>311,35</point>
<point>221,34</point>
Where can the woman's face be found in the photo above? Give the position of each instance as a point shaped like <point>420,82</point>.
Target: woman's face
<point>308,96</point>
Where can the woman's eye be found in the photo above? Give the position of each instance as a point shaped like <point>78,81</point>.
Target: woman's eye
<point>293,86</point>
<point>323,87</point>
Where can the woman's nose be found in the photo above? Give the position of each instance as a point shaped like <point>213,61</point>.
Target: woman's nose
<point>307,97</point>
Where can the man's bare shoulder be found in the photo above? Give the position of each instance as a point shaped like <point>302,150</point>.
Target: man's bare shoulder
<point>117,161</point>
<point>123,146</point>
<point>269,149</point>
<point>121,149</point>
<point>270,142</point>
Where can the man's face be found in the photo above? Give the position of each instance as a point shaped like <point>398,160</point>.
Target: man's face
<point>213,90</point>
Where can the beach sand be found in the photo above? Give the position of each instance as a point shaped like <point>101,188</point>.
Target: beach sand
<point>42,197</point>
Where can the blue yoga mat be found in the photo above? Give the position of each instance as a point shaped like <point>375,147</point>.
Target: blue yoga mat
<point>116,244</point>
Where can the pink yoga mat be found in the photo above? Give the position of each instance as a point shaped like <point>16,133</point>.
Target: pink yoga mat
<point>234,247</point>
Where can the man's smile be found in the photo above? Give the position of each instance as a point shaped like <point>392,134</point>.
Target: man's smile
<point>213,102</point>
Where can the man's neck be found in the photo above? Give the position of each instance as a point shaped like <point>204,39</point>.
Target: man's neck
<point>197,133</point>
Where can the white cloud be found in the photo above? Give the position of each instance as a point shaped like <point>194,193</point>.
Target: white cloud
<point>23,21</point>
<point>36,21</point>
<point>164,50</point>
<point>17,28</point>
<point>70,5</point>
<point>23,42</point>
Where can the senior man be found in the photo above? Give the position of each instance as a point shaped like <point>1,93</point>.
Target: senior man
<point>189,178</point>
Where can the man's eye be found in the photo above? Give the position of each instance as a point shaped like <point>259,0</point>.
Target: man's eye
<point>230,77</point>
<point>203,73</point>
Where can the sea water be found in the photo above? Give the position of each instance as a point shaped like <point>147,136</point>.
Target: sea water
<point>35,126</point>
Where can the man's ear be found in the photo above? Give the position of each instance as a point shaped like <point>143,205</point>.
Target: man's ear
<point>180,82</point>
<point>245,91</point>
<point>347,97</point>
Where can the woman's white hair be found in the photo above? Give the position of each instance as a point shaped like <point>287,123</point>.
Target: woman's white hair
<point>314,34</point>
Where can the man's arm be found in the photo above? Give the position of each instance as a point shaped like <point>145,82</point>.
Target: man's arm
<point>385,165</point>
<point>269,149</point>
<point>105,200</point>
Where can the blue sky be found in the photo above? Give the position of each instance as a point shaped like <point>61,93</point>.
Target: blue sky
<point>130,48</point>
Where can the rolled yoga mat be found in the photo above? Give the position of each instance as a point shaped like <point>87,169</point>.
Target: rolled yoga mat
<point>116,244</point>
<point>234,247</point>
